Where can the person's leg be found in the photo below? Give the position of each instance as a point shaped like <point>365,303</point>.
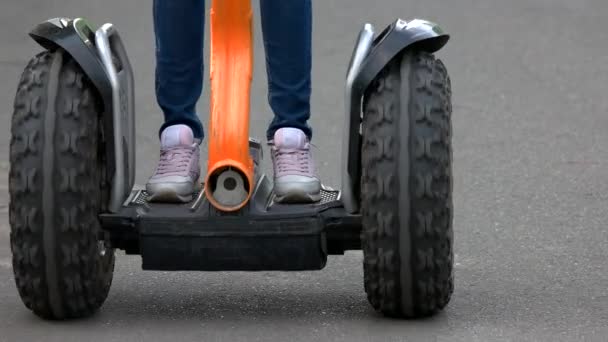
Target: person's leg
<point>179,31</point>
<point>287,29</point>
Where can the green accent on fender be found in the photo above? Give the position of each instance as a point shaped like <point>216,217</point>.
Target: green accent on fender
<point>84,31</point>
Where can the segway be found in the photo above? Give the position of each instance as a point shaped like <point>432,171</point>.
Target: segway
<point>73,200</point>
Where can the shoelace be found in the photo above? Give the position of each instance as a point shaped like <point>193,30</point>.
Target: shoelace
<point>291,160</point>
<point>174,159</point>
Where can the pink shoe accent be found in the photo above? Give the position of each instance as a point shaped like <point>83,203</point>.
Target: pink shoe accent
<point>295,179</point>
<point>178,170</point>
<point>291,153</point>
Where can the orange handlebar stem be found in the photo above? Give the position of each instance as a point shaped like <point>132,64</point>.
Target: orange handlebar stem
<point>231,73</point>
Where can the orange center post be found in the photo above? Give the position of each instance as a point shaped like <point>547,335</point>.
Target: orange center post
<point>229,182</point>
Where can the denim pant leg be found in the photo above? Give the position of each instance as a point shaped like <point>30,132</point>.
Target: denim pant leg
<point>179,30</point>
<point>287,30</point>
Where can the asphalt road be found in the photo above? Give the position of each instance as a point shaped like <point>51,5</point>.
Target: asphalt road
<point>531,192</point>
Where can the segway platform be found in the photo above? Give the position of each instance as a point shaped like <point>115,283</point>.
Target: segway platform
<point>264,235</point>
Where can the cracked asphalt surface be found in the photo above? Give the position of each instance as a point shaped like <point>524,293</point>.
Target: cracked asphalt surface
<point>531,187</point>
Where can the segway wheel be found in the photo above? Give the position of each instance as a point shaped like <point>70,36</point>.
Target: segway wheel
<point>62,269</point>
<point>406,188</point>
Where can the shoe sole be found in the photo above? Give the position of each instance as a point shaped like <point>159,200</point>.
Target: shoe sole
<point>297,197</point>
<point>168,194</point>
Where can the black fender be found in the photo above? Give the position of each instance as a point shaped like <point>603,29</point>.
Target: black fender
<point>395,39</point>
<point>77,39</point>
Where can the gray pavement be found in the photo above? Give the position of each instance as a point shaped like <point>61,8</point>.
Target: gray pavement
<point>531,193</point>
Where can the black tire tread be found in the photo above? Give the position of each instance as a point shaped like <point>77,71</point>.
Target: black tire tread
<point>429,274</point>
<point>83,277</point>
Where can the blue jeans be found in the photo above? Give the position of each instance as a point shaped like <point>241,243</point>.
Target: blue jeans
<point>179,29</point>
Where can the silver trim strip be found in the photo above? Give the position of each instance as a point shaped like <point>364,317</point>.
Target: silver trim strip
<point>108,42</point>
<point>362,48</point>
